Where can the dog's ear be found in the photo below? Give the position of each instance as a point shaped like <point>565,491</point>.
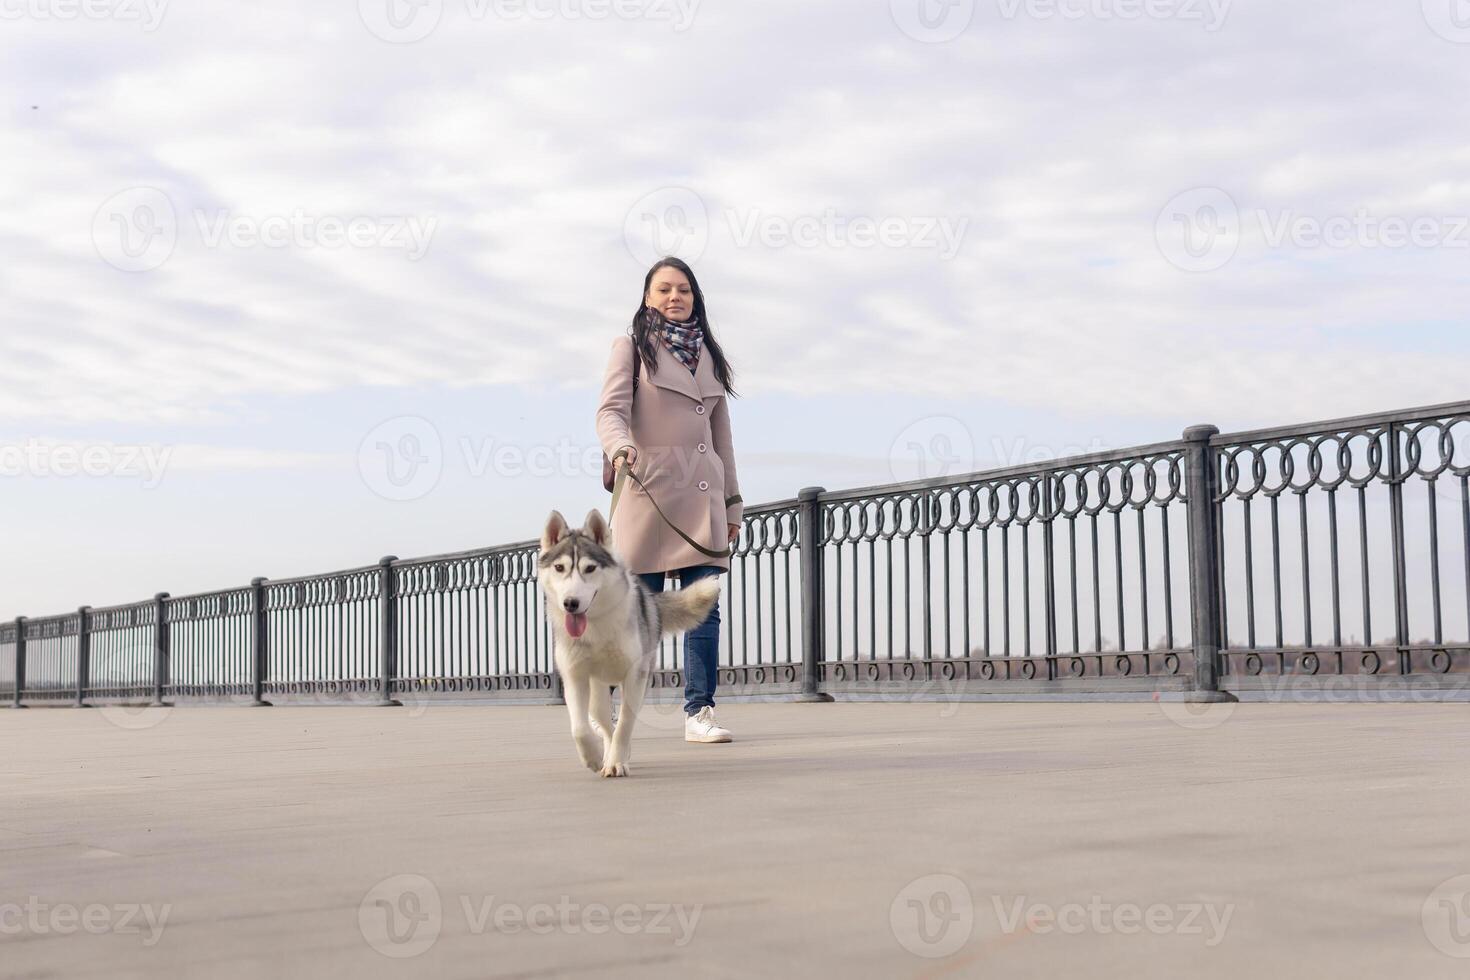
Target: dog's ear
<point>596,528</point>
<point>556,529</point>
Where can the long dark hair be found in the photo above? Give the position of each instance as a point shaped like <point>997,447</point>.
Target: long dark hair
<point>643,339</point>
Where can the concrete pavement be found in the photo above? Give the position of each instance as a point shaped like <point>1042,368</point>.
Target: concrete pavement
<point>847,839</point>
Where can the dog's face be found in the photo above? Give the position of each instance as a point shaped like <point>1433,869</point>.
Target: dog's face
<point>574,567</point>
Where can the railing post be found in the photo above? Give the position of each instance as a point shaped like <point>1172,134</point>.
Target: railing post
<point>809,536</point>
<point>1049,574</point>
<point>260,644</point>
<point>84,654</point>
<point>387,632</point>
<point>1400,569</point>
<point>160,647</point>
<point>20,659</point>
<point>1201,476</point>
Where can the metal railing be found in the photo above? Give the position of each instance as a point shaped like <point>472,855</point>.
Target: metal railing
<point>1301,554</point>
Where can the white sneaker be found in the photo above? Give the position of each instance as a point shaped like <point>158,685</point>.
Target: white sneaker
<point>701,727</point>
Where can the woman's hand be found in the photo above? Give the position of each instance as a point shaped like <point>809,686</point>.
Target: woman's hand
<point>734,532</point>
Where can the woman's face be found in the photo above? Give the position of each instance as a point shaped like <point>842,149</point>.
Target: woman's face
<point>669,293</point>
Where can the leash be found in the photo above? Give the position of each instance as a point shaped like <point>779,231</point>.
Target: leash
<point>626,470</point>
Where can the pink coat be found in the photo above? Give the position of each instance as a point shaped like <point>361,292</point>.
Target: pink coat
<point>680,426</point>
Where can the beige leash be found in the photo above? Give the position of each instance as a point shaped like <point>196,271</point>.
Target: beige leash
<point>626,470</point>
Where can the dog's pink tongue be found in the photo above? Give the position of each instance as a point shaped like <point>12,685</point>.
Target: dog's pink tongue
<point>576,624</point>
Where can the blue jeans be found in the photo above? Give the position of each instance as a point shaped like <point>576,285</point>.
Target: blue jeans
<point>701,644</point>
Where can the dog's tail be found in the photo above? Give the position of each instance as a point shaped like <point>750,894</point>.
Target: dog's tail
<point>683,609</point>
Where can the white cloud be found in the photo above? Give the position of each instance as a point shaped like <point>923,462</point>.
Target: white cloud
<point>526,142</point>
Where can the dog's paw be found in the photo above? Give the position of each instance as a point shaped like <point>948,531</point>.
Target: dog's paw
<point>589,750</point>
<point>613,769</point>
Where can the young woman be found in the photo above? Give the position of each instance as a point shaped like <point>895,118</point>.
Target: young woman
<point>675,437</point>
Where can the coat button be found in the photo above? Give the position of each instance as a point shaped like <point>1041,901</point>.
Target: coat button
<point>701,447</point>
<point>703,485</point>
<point>698,409</point>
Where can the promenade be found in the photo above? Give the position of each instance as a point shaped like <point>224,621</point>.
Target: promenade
<point>850,839</point>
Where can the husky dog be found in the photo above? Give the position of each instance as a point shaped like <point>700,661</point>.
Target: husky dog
<point>607,627</point>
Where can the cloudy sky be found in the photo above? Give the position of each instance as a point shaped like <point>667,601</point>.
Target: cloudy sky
<point>287,287</point>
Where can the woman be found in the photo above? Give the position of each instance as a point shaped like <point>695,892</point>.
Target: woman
<point>675,437</point>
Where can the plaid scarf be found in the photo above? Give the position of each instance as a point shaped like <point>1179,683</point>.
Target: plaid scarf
<point>682,338</point>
